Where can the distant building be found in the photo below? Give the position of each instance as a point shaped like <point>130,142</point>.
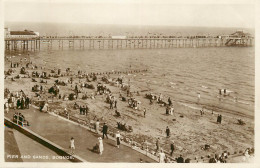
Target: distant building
<point>237,34</point>
<point>20,34</point>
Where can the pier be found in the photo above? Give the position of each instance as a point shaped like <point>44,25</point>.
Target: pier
<point>239,39</point>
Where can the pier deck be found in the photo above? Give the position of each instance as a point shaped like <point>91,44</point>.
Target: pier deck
<point>136,42</point>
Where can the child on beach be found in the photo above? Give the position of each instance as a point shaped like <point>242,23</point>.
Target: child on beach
<point>72,145</point>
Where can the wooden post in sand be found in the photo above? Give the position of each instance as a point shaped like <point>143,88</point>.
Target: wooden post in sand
<point>27,44</point>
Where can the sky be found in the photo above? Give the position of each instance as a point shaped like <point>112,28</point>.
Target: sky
<point>133,12</point>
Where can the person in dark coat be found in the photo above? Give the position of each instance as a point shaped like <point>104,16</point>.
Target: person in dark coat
<point>115,103</point>
<point>83,110</point>
<point>18,103</point>
<point>27,102</point>
<point>104,130</point>
<point>157,144</point>
<point>170,101</point>
<point>117,139</point>
<point>220,119</point>
<point>167,131</point>
<point>172,147</point>
<point>80,110</point>
<point>76,89</point>
<point>22,103</point>
<point>180,159</point>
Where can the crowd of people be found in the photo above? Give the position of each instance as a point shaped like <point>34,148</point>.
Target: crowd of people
<point>16,100</point>
<point>19,100</point>
<point>20,119</point>
<point>133,103</point>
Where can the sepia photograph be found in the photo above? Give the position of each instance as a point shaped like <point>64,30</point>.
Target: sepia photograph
<point>129,81</point>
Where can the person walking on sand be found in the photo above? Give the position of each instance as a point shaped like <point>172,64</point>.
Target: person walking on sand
<point>104,130</point>
<point>72,146</point>
<point>161,157</point>
<point>169,101</point>
<point>117,139</point>
<point>220,119</point>
<point>115,103</point>
<point>167,132</point>
<point>172,147</point>
<point>111,104</point>
<point>157,144</point>
<point>101,147</point>
<point>144,112</point>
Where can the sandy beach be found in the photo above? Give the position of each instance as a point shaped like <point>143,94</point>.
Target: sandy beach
<point>190,130</point>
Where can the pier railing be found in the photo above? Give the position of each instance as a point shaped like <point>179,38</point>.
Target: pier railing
<point>133,42</point>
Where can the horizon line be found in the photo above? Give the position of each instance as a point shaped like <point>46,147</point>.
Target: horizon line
<point>5,22</point>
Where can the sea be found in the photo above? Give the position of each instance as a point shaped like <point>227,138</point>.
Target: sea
<point>179,73</point>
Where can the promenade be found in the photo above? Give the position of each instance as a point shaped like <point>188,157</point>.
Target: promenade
<point>29,150</point>
<point>60,131</point>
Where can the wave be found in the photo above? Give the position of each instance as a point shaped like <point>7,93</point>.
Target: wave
<point>206,87</point>
<point>173,83</point>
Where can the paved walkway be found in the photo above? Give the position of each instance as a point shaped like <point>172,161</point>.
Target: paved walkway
<point>11,146</point>
<point>27,150</point>
<point>60,131</point>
